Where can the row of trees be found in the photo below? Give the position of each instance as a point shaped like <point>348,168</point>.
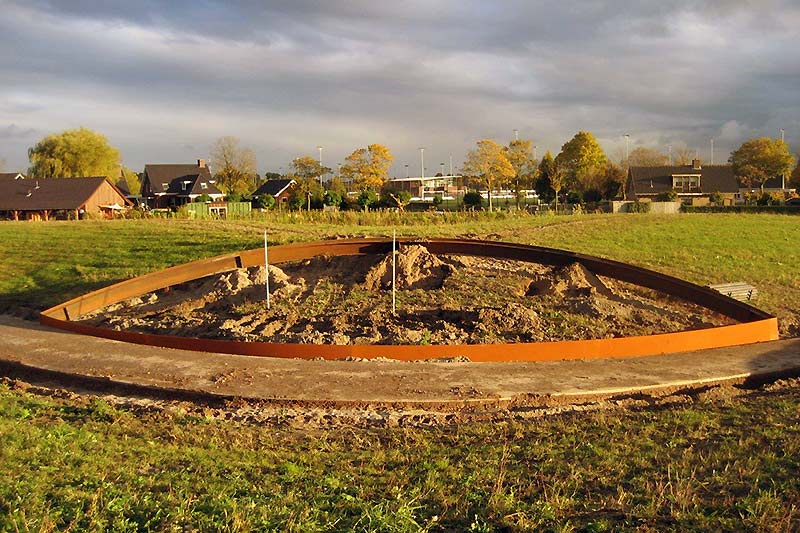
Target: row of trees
<point>580,167</point>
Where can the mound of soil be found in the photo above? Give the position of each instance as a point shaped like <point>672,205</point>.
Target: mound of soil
<point>442,300</point>
<point>416,268</point>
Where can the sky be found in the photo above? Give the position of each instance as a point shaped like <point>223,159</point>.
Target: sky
<point>164,80</point>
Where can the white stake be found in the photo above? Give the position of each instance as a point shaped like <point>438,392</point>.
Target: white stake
<point>266,267</point>
<point>394,269</point>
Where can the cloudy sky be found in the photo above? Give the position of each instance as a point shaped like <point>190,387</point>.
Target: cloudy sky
<point>163,80</point>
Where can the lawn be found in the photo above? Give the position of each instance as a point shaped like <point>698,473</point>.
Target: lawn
<point>711,464</point>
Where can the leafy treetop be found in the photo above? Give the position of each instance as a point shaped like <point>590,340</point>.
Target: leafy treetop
<point>758,160</point>
<point>368,167</point>
<point>74,153</point>
<point>489,165</point>
<point>235,166</point>
<point>583,161</point>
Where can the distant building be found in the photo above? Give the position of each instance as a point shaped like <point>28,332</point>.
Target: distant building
<point>46,199</point>
<point>427,187</point>
<point>173,185</point>
<point>692,183</point>
<point>280,189</point>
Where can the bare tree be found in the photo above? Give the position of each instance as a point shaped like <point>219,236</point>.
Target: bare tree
<point>235,166</point>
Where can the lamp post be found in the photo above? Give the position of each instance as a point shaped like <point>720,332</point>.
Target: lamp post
<point>406,171</point>
<point>627,141</point>
<point>534,152</point>
<point>516,135</point>
<point>442,167</point>
<point>712,150</point>
<point>320,164</point>
<point>451,164</point>
<point>422,172</point>
<point>783,174</point>
<point>669,149</point>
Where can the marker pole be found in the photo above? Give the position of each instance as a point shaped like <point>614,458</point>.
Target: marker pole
<point>266,267</point>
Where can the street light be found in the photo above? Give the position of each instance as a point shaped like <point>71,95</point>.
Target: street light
<point>516,135</point>
<point>320,164</point>
<point>627,140</point>
<point>422,172</point>
<point>406,171</point>
<point>442,171</point>
<point>783,174</point>
<point>712,150</point>
<point>534,152</point>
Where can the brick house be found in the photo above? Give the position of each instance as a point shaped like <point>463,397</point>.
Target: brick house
<point>173,185</point>
<point>45,199</point>
<point>692,183</point>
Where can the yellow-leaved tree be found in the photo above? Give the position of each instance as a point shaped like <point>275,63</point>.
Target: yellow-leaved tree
<point>366,168</point>
<point>489,166</point>
<point>74,153</point>
<point>519,153</point>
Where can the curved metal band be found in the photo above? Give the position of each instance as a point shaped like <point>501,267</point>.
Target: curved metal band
<point>754,325</point>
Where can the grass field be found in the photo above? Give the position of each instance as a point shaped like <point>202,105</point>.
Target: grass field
<point>715,464</point>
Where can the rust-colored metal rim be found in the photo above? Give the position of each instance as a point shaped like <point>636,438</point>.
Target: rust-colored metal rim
<point>753,324</point>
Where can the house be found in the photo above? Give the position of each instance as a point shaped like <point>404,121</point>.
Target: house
<point>280,189</point>
<point>771,186</point>
<point>426,188</point>
<point>44,199</point>
<point>693,183</point>
<point>172,185</point>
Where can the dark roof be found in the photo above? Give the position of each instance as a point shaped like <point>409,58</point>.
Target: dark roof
<point>10,175</point>
<point>51,193</point>
<point>273,187</point>
<point>653,180</point>
<point>174,177</point>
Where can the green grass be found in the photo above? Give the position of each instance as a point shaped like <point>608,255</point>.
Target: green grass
<point>44,264</point>
<point>723,465</point>
<point>84,465</point>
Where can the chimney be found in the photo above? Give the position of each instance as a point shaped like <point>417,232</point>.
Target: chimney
<point>201,163</point>
<point>696,164</point>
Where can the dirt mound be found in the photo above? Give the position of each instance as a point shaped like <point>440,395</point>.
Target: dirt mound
<point>572,280</point>
<point>417,268</point>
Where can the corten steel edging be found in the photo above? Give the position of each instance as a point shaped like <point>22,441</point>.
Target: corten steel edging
<point>755,325</point>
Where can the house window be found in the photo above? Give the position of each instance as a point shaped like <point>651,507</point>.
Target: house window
<point>203,185</point>
<point>165,186</point>
<point>686,183</point>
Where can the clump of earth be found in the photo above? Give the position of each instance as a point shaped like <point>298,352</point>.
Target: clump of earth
<point>440,299</point>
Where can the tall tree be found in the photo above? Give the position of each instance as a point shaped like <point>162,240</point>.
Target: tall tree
<point>519,153</point>
<point>489,165</point>
<point>547,167</point>
<point>795,179</point>
<point>307,171</point>
<point>131,180</point>
<point>613,181</point>
<point>583,160</point>
<point>646,157</point>
<point>758,160</point>
<point>367,168</point>
<point>683,156</point>
<point>73,153</point>
<point>235,166</point>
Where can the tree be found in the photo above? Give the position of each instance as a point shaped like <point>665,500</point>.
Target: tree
<point>489,165</point>
<point>613,181</point>
<point>583,161</point>
<point>73,153</point>
<point>306,171</point>
<point>235,166</point>
<point>520,154</point>
<point>398,199</point>
<point>683,156</point>
<point>367,168</point>
<point>542,185</point>
<point>131,180</point>
<point>646,157</point>
<point>264,201</point>
<point>795,179</point>
<point>472,199</point>
<point>559,179</point>
<point>758,160</point>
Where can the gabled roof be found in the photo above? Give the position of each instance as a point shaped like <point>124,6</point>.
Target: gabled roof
<point>11,176</point>
<point>653,180</point>
<point>174,176</point>
<point>51,193</point>
<point>169,173</point>
<point>274,187</point>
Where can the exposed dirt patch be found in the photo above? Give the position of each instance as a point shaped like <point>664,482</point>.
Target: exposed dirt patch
<point>440,300</point>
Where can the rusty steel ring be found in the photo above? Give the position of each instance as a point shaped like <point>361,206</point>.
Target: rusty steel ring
<point>753,324</point>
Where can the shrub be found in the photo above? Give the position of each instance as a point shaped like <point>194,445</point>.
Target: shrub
<point>473,199</point>
<point>639,207</point>
<point>332,198</point>
<point>592,196</point>
<point>203,198</point>
<point>264,201</point>
<point>368,199</point>
<point>574,197</point>
<point>715,198</point>
<point>667,196</point>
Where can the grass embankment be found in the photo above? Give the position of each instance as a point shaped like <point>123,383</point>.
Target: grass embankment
<point>716,465</point>
<point>721,465</point>
<point>44,264</point>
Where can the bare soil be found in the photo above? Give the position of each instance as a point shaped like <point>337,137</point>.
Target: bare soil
<point>440,300</point>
